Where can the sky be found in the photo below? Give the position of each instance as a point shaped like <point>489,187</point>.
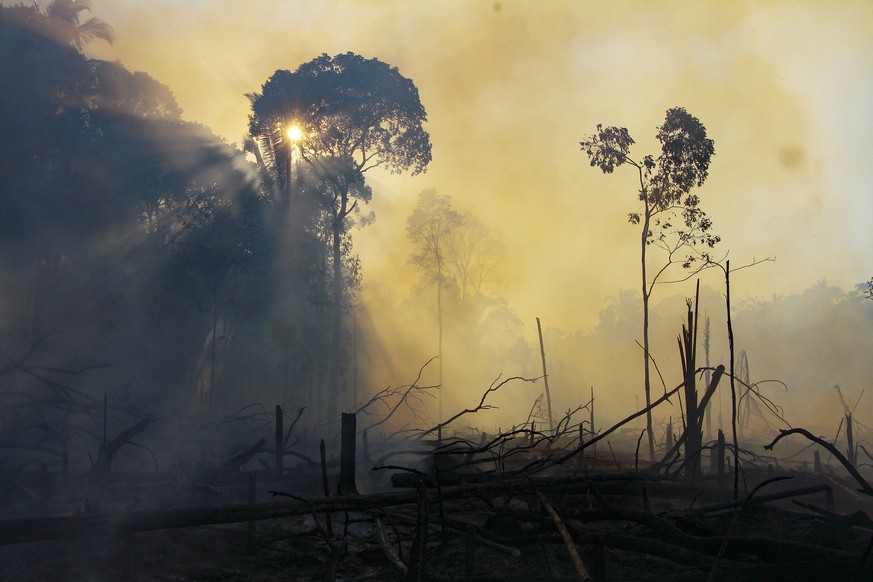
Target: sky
<point>511,87</point>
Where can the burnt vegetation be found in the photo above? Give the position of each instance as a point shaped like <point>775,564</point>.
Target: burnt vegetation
<point>179,358</point>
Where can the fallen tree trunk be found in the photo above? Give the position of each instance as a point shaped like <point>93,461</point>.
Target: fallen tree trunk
<point>30,530</point>
<point>565,537</point>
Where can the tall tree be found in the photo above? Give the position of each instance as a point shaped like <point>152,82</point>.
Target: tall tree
<point>671,217</point>
<point>431,222</point>
<point>352,114</point>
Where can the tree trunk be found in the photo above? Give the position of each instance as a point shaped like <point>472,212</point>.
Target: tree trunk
<point>545,376</point>
<point>646,373</point>
<point>347,485</point>
<point>850,439</point>
<point>730,329</point>
<point>214,341</point>
<point>439,330</point>
<point>336,327</point>
<point>707,379</point>
<point>280,443</point>
<point>688,351</point>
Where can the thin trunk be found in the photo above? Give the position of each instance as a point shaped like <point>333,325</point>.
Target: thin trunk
<point>545,376</point>
<point>354,360</point>
<point>727,284</point>
<point>647,377</point>
<point>34,299</point>
<point>324,483</point>
<point>669,436</point>
<point>289,187</point>
<point>214,329</point>
<point>103,463</point>
<point>336,348</point>
<point>439,328</point>
<point>591,421</point>
<point>280,443</point>
<point>707,378</point>
<point>850,439</point>
<point>348,442</point>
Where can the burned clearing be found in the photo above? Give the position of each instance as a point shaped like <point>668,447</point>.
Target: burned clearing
<point>451,290</point>
<point>529,503</point>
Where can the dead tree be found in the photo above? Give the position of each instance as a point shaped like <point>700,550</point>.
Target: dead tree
<point>545,375</point>
<point>693,416</point>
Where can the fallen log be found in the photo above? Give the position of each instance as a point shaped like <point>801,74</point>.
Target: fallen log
<point>565,536</point>
<point>767,549</point>
<point>827,489</point>
<point>30,530</point>
<point>389,551</point>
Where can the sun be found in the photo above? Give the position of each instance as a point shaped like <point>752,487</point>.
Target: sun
<point>295,133</point>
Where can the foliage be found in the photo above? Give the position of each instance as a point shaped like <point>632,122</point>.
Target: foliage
<point>60,23</point>
<point>354,113</point>
<point>666,182</point>
<point>64,14</point>
<point>450,247</point>
<point>132,93</point>
<point>117,218</point>
<point>431,221</point>
<point>473,257</point>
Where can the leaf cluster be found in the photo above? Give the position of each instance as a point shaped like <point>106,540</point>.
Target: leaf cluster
<point>354,112</point>
<point>60,22</point>
<point>671,213</point>
<point>431,221</point>
<point>608,148</point>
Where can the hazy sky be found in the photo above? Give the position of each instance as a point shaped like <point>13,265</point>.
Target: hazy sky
<point>783,88</point>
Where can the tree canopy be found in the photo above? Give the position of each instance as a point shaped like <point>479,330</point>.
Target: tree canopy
<point>665,182</point>
<point>351,110</point>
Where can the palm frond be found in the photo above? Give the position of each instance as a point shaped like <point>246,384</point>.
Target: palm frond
<point>90,29</point>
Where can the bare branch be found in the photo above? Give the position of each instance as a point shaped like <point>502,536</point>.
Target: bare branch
<point>480,406</point>
<point>865,486</point>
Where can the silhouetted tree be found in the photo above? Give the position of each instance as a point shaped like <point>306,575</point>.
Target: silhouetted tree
<point>432,220</point>
<point>472,257</point>
<point>354,114</point>
<point>60,22</point>
<point>99,175</point>
<point>132,93</point>
<point>670,217</point>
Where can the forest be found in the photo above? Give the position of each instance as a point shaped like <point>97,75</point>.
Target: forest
<point>188,329</point>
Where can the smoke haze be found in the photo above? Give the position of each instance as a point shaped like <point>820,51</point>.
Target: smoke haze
<point>510,89</point>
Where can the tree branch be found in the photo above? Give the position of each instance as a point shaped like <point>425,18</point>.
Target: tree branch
<point>480,406</point>
<point>865,487</point>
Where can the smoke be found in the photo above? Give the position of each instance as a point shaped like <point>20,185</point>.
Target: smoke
<point>510,88</point>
